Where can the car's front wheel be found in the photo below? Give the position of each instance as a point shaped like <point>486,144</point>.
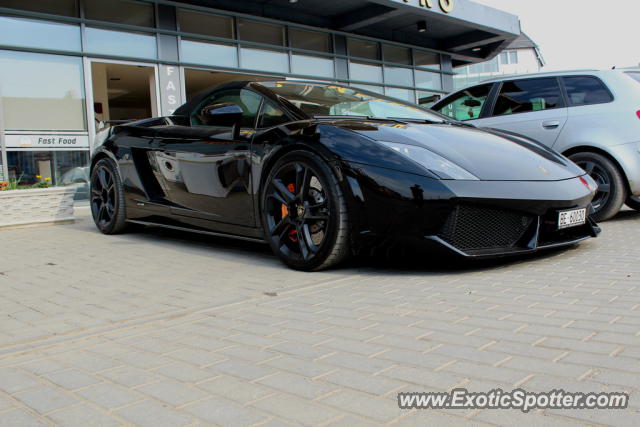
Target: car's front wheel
<point>612,191</point>
<point>107,198</point>
<point>304,213</point>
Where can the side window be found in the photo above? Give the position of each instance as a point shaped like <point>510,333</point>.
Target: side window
<point>466,104</point>
<point>525,96</point>
<point>271,116</point>
<point>247,100</point>
<point>585,90</point>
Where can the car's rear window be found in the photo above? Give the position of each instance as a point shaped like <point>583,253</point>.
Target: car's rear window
<point>635,76</point>
<point>586,90</point>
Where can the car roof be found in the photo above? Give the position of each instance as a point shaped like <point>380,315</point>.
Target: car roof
<point>545,74</point>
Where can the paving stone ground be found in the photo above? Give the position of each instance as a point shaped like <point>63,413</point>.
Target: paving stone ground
<point>157,328</point>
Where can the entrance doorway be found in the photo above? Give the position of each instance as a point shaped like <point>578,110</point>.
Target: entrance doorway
<point>197,81</point>
<point>123,92</point>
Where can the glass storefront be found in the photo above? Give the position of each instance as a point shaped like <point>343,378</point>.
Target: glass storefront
<point>42,92</point>
<point>47,48</point>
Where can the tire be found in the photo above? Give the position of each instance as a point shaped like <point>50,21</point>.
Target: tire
<point>107,198</point>
<point>633,202</point>
<point>304,214</point>
<point>612,191</point>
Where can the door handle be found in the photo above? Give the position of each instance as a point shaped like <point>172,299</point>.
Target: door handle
<point>551,124</point>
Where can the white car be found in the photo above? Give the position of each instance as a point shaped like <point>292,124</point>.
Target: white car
<point>592,117</point>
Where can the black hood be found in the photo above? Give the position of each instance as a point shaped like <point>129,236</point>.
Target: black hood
<point>489,154</point>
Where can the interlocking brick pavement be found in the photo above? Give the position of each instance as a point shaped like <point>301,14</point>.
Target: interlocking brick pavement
<point>157,328</point>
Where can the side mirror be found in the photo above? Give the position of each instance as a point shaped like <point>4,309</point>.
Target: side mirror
<point>472,103</point>
<point>225,115</point>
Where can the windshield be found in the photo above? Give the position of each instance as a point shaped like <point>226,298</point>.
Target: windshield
<point>635,76</point>
<point>331,100</point>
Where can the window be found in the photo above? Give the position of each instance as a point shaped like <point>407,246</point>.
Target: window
<point>31,102</point>
<point>205,24</point>
<point>509,57</point>
<point>247,100</point>
<point>634,76</point>
<point>39,34</point>
<point>327,99</point>
<point>119,43</point>
<point>208,53</point>
<point>363,49</point>
<point>365,72</point>
<point>428,80</point>
<point>54,7</point>
<point>310,40</point>
<point>398,76</point>
<point>259,32</point>
<point>120,11</point>
<point>312,65</point>
<point>524,96</point>
<point>426,59</point>
<point>467,104</point>
<point>584,90</point>
<point>274,61</point>
<point>395,54</point>
<point>271,116</point>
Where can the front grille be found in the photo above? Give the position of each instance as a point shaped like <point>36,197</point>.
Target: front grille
<point>470,227</point>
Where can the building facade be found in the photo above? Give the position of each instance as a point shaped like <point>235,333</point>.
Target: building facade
<point>71,67</point>
<point>522,56</point>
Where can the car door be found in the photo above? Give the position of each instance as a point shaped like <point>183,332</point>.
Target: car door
<point>205,170</point>
<point>532,107</point>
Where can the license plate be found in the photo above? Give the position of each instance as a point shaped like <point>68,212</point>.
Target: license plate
<point>572,218</point>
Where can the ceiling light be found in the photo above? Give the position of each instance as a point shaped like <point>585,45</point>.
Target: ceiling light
<point>422,26</point>
<point>477,49</point>
<point>293,1</point>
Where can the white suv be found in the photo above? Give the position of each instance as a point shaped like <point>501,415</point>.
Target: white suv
<point>592,117</point>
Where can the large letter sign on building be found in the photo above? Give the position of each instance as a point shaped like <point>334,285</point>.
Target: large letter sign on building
<point>445,5</point>
<point>170,89</point>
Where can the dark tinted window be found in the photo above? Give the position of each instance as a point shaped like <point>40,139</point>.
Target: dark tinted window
<point>247,100</point>
<point>120,11</point>
<point>524,96</point>
<point>584,90</point>
<point>466,104</point>
<point>271,116</point>
<point>261,32</point>
<point>635,76</point>
<point>205,23</point>
<point>310,40</point>
<point>55,7</point>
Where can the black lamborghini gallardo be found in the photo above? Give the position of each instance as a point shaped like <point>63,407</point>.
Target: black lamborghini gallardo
<point>321,171</point>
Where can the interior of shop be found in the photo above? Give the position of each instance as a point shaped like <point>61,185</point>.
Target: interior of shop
<point>123,92</point>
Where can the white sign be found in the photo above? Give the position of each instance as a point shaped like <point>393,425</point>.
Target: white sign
<point>47,141</point>
<point>170,89</point>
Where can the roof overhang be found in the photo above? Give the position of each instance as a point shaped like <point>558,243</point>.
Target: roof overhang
<point>468,31</point>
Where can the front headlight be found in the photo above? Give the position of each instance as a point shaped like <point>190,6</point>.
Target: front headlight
<point>440,166</point>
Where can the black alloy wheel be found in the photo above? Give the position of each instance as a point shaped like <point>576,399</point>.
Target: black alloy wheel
<point>107,198</point>
<point>611,193</point>
<point>304,214</point>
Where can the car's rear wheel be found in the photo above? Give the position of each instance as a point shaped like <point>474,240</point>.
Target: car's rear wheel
<point>107,198</point>
<point>304,213</point>
<point>612,191</point>
<point>634,202</point>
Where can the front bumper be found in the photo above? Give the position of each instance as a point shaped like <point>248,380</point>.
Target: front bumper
<point>481,232</point>
<point>470,218</point>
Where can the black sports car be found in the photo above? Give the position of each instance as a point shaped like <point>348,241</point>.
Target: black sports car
<point>321,171</point>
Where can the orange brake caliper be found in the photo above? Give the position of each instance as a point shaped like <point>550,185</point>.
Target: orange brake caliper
<point>285,211</point>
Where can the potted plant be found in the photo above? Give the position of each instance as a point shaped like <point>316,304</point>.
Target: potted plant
<point>38,203</point>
